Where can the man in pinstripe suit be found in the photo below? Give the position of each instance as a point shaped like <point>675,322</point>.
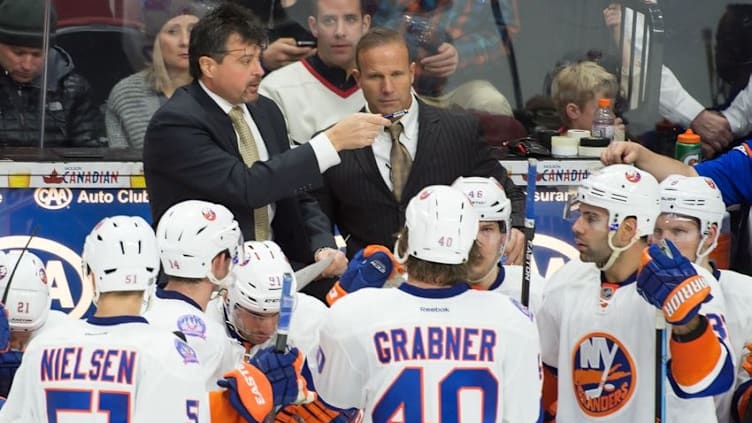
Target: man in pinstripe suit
<point>437,146</point>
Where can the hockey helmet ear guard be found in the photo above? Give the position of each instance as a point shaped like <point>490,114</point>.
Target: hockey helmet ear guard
<point>442,226</point>
<point>28,292</point>
<point>121,254</point>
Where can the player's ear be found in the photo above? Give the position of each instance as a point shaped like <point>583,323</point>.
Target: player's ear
<point>626,231</point>
<point>711,235</point>
<point>572,111</point>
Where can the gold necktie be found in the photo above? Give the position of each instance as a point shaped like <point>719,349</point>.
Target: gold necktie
<point>249,153</point>
<point>400,161</point>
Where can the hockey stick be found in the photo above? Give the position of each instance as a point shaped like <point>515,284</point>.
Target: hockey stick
<point>660,367</point>
<point>286,303</point>
<point>15,266</point>
<point>532,174</point>
<point>660,357</point>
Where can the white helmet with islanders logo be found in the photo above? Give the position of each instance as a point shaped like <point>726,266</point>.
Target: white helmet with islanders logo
<point>696,197</point>
<point>624,191</point>
<point>442,226</point>
<point>191,233</point>
<point>24,288</point>
<point>121,254</point>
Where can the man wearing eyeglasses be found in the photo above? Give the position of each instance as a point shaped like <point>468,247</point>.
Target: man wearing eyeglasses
<point>218,140</point>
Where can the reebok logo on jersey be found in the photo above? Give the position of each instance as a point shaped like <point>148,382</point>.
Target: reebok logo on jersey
<point>603,374</point>
<point>192,325</point>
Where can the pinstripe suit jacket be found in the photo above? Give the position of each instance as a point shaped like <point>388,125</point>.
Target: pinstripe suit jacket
<point>358,201</point>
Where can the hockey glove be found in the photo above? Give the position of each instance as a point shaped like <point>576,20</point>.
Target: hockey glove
<point>283,372</point>
<point>671,283</point>
<point>249,392</point>
<point>4,329</point>
<point>371,267</point>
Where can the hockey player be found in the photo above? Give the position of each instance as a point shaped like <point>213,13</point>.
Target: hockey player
<point>692,211</point>
<point>29,308</point>
<point>597,331</point>
<point>486,271</point>
<point>197,243</point>
<point>408,353</point>
<point>115,364</point>
<point>250,313</point>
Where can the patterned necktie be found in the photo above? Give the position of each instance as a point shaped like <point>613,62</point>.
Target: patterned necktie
<point>400,161</point>
<point>249,153</point>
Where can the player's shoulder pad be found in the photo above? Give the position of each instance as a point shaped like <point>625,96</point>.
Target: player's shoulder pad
<point>573,274</point>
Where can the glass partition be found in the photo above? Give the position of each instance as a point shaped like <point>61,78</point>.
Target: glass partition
<point>669,61</point>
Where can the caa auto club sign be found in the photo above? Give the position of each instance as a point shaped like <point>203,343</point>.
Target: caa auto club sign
<point>62,216</point>
<point>63,269</point>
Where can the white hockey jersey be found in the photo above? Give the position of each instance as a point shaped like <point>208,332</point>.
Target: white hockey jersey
<point>509,282</point>
<point>307,316</point>
<point>737,291</point>
<point>599,338</point>
<point>119,368</point>
<point>415,355</point>
<point>217,353</point>
<point>308,101</point>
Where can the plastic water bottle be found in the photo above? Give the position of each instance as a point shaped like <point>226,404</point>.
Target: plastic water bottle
<point>604,119</point>
<point>688,149</point>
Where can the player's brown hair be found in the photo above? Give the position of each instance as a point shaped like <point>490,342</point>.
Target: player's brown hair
<point>377,37</point>
<point>431,272</point>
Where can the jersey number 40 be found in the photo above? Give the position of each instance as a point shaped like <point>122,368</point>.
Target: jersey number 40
<point>406,395</point>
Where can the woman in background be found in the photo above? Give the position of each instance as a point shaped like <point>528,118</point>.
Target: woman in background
<point>134,99</point>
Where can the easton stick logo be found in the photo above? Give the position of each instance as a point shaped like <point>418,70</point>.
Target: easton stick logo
<point>603,374</point>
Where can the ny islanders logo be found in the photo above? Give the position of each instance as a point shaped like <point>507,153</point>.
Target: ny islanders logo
<point>603,374</point>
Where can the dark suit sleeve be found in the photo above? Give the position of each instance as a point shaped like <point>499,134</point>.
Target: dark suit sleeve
<point>487,165</point>
<point>182,154</point>
<point>317,223</point>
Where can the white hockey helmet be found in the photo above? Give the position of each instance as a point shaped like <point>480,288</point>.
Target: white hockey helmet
<point>696,197</point>
<point>121,253</point>
<point>624,191</point>
<point>258,278</point>
<point>28,301</point>
<point>488,199</point>
<point>442,226</point>
<point>190,234</point>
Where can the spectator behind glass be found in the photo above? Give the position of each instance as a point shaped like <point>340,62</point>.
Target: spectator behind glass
<point>133,101</point>
<point>576,89</point>
<point>457,49</point>
<point>71,118</point>
<point>285,21</point>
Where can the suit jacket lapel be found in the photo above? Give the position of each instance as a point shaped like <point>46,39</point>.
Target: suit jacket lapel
<point>265,128</point>
<point>428,121</point>
<point>217,119</point>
